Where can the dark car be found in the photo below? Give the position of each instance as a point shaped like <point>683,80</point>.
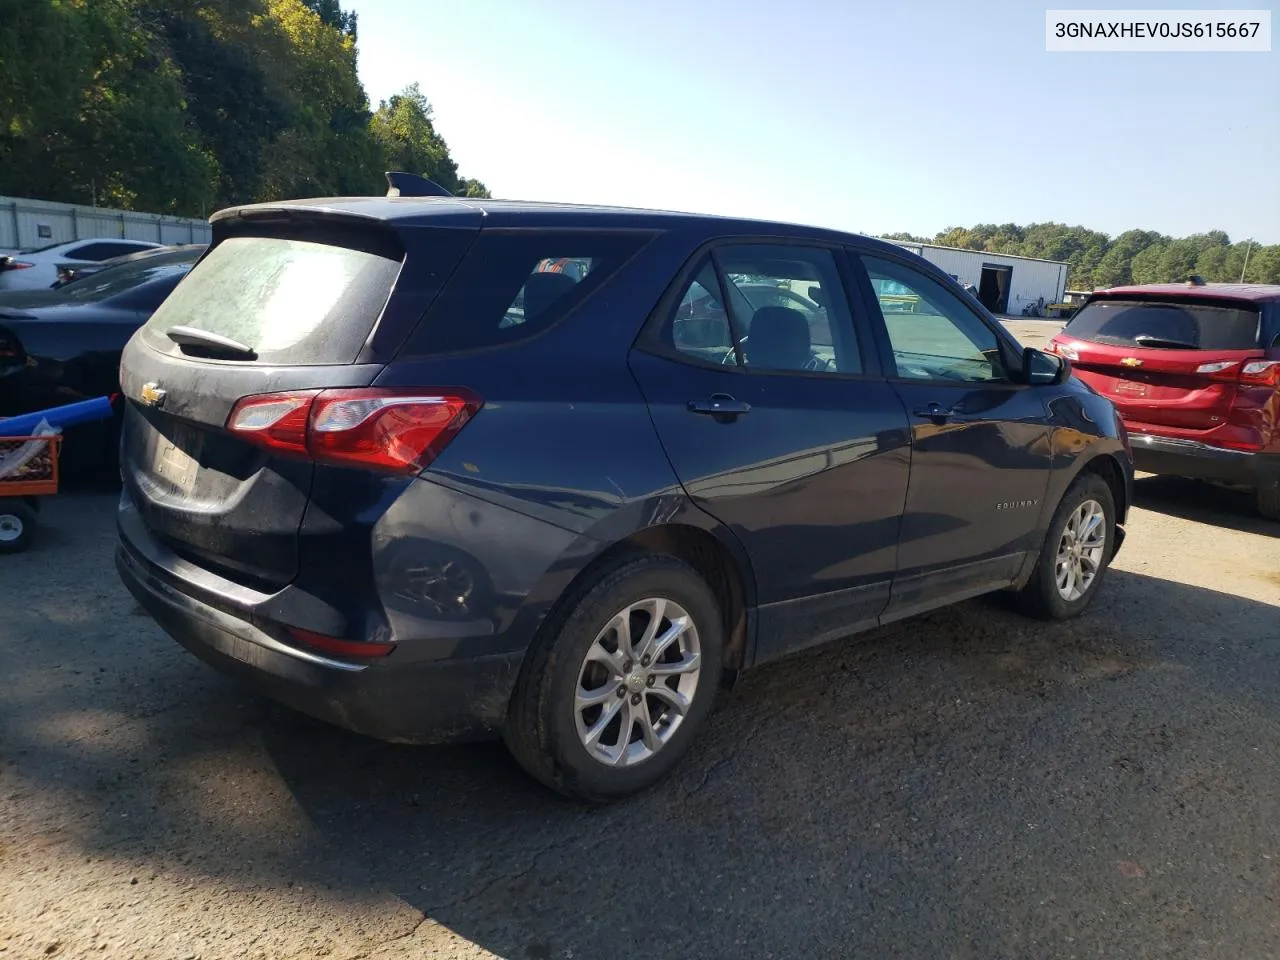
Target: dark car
<point>1194,370</point>
<point>362,481</point>
<point>60,346</point>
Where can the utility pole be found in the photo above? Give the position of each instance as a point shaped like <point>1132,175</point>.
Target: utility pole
<point>1248,246</point>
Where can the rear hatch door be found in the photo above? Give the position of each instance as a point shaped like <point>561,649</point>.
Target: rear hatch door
<point>310,294</point>
<point>1164,363</point>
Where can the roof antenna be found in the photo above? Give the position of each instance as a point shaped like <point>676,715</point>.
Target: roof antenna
<point>400,184</point>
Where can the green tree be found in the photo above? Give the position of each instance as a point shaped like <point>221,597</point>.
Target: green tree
<point>405,130</point>
<point>1147,264</point>
<point>332,14</point>
<point>184,106</point>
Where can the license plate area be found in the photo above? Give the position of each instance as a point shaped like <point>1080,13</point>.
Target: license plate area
<point>177,458</point>
<point>1130,388</point>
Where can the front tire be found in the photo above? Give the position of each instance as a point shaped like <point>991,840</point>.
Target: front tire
<point>1076,553</point>
<point>618,684</point>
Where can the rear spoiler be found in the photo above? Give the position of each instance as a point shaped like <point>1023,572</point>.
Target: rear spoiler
<point>400,184</point>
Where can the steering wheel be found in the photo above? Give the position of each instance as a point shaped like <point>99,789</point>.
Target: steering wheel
<point>731,356</point>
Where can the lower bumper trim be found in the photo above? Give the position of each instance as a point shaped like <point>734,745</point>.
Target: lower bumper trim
<point>439,701</point>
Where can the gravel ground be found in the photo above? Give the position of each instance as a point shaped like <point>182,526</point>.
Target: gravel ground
<point>967,784</point>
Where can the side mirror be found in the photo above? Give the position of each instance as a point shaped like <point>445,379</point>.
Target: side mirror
<point>1040,369</point>
<point>816,295</point>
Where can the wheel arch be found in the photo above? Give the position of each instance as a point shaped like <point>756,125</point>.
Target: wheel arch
<point>1101,460</point>
<point>689,535</point>
<point>1107,466</point>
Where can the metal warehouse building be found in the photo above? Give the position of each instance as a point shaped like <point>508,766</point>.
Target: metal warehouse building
<point>1005,283</point>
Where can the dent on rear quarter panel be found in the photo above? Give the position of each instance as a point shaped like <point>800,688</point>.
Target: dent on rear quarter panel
<point>453,570</point>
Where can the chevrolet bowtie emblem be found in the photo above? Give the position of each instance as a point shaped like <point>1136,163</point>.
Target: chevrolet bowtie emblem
<point>1131,362</point>
<point>151,395</point>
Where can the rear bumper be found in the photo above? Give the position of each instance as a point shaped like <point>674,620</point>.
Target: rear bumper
<point>1200,461</point>
<point>434,701</point>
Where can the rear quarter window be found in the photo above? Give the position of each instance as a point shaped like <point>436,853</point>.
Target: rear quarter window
<point>1144,323</point>
<point>514,285</point>
<point>293,302</point>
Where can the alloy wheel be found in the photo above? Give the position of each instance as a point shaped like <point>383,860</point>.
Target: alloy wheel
<point>1080,550</point>
<point>637,682</point>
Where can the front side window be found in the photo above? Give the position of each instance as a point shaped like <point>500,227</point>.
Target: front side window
<point>790,306</point>
<point>933,334</point>
<point>700,327</point>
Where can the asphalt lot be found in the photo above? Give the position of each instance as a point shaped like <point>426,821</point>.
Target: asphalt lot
<point>967,784</point>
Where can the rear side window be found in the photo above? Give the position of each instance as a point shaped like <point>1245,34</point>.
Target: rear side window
<point>513,286</point>
<point>292,302</point>
<point>1186,326</point>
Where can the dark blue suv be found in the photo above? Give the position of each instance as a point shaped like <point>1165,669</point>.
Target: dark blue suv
<point>435,469</point>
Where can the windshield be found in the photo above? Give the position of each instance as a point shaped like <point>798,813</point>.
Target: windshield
<point>116,280</point>
<point>1190,326</point>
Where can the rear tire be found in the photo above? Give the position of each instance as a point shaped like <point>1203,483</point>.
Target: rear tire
<point>591,671</point>
<point>17,526</point>
<point>1269,501</point>
<point>1070,568</point>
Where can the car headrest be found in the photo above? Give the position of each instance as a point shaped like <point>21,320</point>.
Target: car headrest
<point>542,290</point>
<point>778,339</point>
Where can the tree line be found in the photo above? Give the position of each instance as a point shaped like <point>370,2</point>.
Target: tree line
<point>186,106</point>
<point>1136,256</point>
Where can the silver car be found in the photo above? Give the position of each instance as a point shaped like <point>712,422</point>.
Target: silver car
<point>38,269</point>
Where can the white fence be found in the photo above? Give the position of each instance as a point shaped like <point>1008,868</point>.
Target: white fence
<point>25,224</point>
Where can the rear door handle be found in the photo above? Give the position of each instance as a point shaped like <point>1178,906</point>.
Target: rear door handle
<point>934,411</point>
<point>722,406</point>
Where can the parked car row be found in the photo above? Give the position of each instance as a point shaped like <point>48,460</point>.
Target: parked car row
<point>44,267</point>
<point>62,345</point>
<point>436,469</point>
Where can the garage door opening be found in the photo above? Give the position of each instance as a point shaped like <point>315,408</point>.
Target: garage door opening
<point>993,289</point>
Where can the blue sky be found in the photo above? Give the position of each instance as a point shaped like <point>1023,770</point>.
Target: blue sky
<point>863,116</point>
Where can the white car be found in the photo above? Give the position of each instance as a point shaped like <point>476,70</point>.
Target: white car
<point>38,269</point>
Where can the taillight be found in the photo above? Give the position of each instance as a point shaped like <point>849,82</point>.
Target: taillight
<point>277,421</point>
<point>397,430</point>
<point>1264,373</point>
<point>8,263</point>
<point>1219,367</point>
<point>1067,350</point>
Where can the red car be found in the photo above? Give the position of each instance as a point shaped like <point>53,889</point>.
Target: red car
<point>1194,370</point>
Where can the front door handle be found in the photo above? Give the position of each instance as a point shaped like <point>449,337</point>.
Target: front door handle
<point>722,406</point>
<point>934,411</point>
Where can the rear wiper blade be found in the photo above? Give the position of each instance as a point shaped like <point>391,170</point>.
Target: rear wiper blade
<point>1147,340</point>
<point>206,342</point>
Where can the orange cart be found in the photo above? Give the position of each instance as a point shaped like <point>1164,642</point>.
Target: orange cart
<point>35,475</point>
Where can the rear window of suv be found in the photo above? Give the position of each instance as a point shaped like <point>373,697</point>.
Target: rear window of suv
<point>514,285</point>
<point>1145,323</point>
<point>291,301</point>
